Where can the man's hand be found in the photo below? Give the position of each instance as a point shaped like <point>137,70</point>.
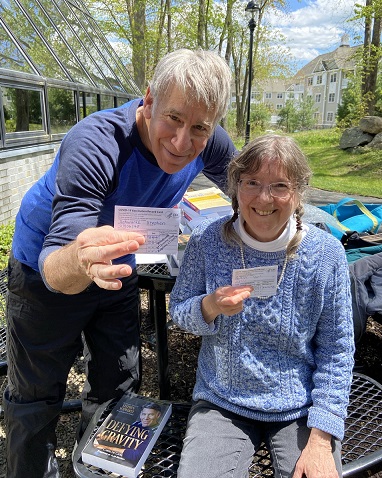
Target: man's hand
<point>227,300</point>
<point>89,258</point>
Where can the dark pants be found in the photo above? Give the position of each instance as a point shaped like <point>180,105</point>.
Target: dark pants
<point>44,338</point>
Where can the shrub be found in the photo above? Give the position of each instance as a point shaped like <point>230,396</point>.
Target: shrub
<point>6,235</point>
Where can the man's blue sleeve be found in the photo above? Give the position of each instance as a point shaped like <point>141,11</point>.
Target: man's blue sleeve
<point>216,156</point>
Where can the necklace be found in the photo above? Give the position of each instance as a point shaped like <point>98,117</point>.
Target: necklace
<point>263,297</point>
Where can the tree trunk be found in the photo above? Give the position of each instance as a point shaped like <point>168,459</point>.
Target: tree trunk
<point>138,30</point>
<point>371,56</point>
<point>169,26</point>
<point>22,109</point>
<point>201,24</point>
<point>162,15</point>
<point>373,67</point>
<point>228,34</point>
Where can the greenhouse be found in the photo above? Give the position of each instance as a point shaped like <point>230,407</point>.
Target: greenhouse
<point>56,67</point>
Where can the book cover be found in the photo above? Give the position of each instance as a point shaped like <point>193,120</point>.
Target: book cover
<point>208,204</point>
<point>207,201</point>
<point>191,219</point>
<point>174,261</point>
<point>203,192</point>
<point>124,440</point>
<point>182,243</point>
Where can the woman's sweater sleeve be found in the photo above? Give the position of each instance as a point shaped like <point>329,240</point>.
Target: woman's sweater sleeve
<point>334,346</point>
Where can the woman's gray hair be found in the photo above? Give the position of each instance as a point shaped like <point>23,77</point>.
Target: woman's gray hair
<point>273,149</point>
<point>202,75</point>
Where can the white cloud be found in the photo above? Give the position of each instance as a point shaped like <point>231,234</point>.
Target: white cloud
<point>313,27</point>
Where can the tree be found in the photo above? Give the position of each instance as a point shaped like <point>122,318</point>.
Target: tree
<point>297,115</point>
<point>152,28</point>
<point>288,117</point>
<point>260,116</point>
<point>351,109</point>
<point>125,21</point>
<point>372,53</point>
<point>306,110</point>
<point>378,94</point>
<point>267,61</point>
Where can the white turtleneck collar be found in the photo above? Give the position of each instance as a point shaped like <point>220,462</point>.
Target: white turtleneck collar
<point>278,244</point>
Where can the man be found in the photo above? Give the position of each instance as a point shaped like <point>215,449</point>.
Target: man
<point>72,275</point>
<point>150,416</point>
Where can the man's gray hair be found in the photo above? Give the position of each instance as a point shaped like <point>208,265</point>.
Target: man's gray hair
<point>203,76</point>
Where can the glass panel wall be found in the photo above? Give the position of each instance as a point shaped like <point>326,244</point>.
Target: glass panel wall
<point>88,104</point>
<point>62,109</point>
<point>56,67</point>
<point>22,110</point>
<point>29,39</point>
<point>107,102</point>
<point>121,101</point>
<point>10,56</point>
<point>71,51</point>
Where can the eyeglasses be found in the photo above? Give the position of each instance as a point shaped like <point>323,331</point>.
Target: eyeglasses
<point>251,187</point>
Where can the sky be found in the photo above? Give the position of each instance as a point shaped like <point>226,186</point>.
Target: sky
<point>313,27</point>
<point>310,28</point>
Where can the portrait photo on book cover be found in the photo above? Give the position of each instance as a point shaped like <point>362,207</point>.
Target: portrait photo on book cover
<point>129,440</point>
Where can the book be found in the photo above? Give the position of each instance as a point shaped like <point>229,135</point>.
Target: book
<point>173,265</point>
<point>125,438</point>
<point>174,261</point>
<point>207,201</point>
<point>182,243</point>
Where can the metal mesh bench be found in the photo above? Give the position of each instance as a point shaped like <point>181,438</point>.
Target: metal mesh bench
<point>3,333</point>
<point>361,447</point>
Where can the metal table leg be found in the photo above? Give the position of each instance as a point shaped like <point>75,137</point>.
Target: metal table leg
<point>160,319</point>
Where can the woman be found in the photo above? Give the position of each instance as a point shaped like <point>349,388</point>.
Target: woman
<point>277,351</point>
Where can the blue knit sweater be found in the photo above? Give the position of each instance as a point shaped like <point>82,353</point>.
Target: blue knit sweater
<point>281,358</point>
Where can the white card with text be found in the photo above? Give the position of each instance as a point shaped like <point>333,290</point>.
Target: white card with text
<point>159,226</point>
<point>262,279</point>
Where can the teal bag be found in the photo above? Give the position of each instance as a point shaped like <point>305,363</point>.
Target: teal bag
<point>352,215</point>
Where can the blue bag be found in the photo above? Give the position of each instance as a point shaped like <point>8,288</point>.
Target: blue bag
<point>352,215</point>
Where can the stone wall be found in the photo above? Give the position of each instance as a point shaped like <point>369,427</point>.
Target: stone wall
<point>19,169</point>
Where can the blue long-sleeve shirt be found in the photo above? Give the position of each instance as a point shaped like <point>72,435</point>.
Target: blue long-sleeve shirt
<point>101,163</point>
<point>281,358</point>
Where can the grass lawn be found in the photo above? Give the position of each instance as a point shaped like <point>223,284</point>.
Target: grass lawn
<point>338,170</point>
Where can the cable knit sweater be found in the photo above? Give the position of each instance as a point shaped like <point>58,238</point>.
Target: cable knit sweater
<point>281,358</point>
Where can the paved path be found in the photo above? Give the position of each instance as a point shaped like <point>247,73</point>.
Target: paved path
<point>319,197</point>
<point>316,197</point>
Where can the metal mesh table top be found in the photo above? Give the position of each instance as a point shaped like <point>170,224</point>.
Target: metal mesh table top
<point>157,270</point>
<point>361,446</point>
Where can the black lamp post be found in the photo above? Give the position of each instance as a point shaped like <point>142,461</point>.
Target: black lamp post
<point>252,11</point>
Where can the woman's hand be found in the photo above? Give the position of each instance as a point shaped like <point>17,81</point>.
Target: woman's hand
<point>227,300</point>
<point>316,460</point>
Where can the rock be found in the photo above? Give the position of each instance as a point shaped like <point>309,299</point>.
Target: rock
<point>377,142</point>
<point>353,137</point>
<point>371,124</point>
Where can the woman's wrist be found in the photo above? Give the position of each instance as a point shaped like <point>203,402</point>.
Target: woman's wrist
<point>209,308</point>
